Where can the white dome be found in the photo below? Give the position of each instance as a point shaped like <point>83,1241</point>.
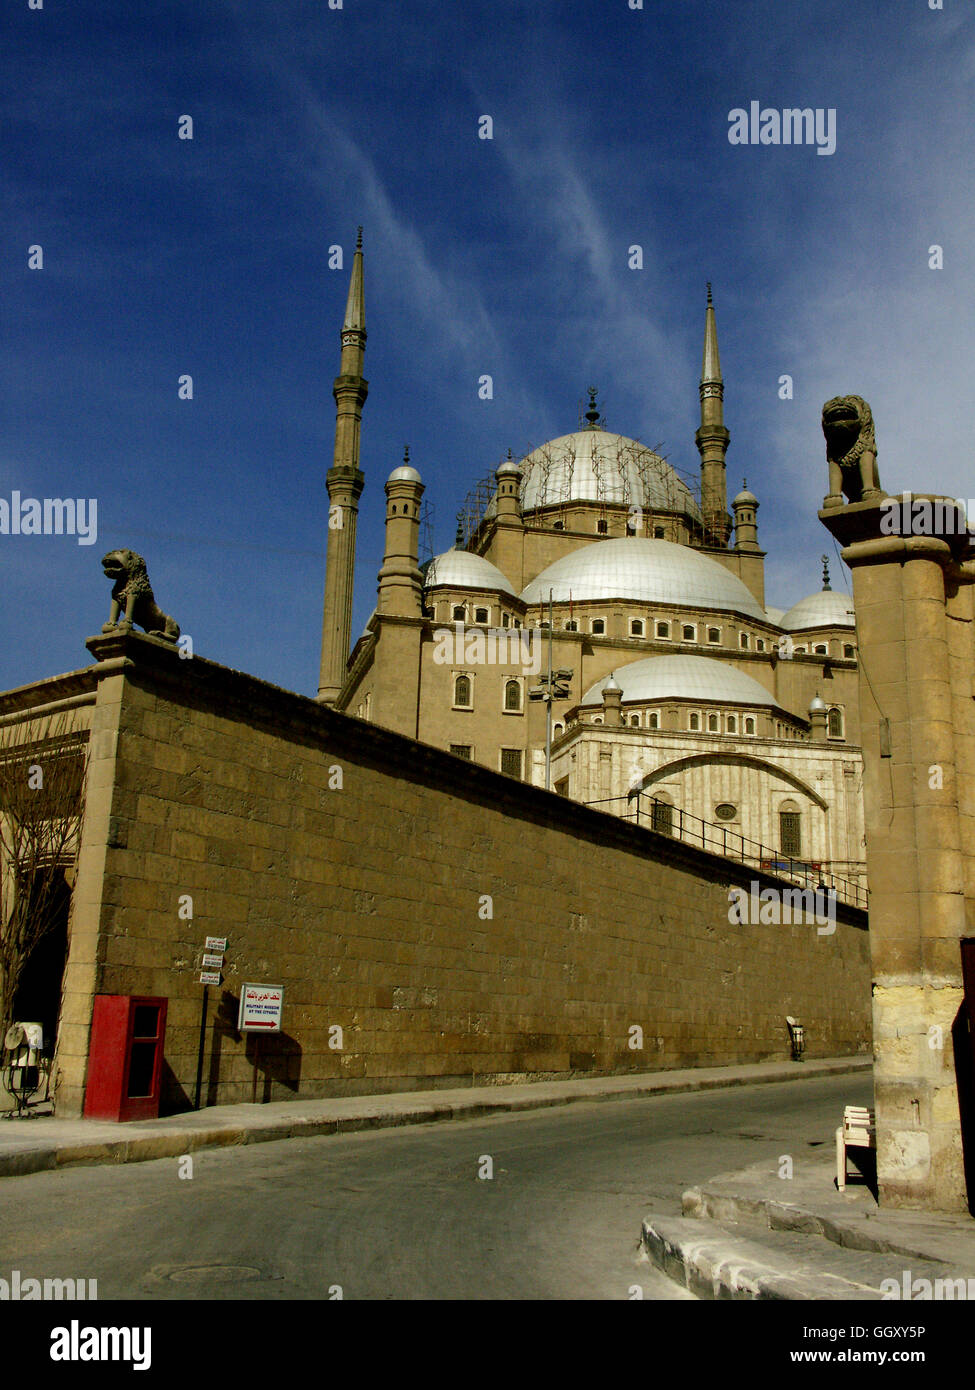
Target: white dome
<point>825,609</point>
<point>460,569</point>
<point>683,678</point>
<point>650,571</point>
<point>405,473</point>
<point>774,615</point>
<point>593,465</point>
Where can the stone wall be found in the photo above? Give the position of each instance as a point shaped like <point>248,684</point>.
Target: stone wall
<point>458,926</point>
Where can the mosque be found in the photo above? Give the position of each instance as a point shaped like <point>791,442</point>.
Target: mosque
<point>601,627</point>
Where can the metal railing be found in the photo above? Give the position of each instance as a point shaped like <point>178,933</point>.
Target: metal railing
<point>677,824</point>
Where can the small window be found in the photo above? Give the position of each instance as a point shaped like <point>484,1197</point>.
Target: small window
<point>517,622</point>
<point>725,811</point>
<point>749,725</point>
<point>714,634</point>
<point>598,627</point>
<point>544,623</point>
<point>505,619</point>
<point>480,615</point>
<point>511,762</point>
<point>654,720</point>
<point>663,629</point>
<point>461,750</point>
<point>602,527</point>
<point>760,644</point>
<point>557,733</point>
<point>562,787</point>
<point>712,723</point>
<point>634,721</point>
<point>847,651</point>
<point>636,627</point>
<point>689,632</point>
<point>658,533</point>
<point>821,649</point>
<point>460,613</point>
<point>558,526</point>
<point>463,691</point>
<point>732,724</point>
<point>790,833</point>
<point>695,723</point>
<point>572,625</point>
<point>663,818</point>
<point>743,637</point>
<point>835,723</point>
<point>597,719</point>
<point>796,651</point>
<point>512,695</point>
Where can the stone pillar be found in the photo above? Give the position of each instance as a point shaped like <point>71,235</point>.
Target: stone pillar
<point>918,733</point>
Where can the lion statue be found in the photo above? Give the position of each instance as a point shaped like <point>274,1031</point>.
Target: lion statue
<point>851,450</point>
<point>132,596</point>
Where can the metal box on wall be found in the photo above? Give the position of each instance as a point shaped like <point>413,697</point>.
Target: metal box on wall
<point>125,1057</point>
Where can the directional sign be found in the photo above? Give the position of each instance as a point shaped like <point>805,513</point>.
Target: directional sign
<point>260,1008</point>
<point>216,943</point>
<point>209,977</point>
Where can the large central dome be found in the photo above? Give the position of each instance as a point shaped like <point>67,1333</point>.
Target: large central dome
<point>650,571</point>
<point>592,465</point>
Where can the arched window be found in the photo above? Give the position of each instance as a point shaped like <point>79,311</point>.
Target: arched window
<point>714,634</point>
<point>512,694</point>
<point>602,527</point>
<point>712,723</point>
<point>695,723</point>
<point>732,724</point>
<point>663,817</point>
<point>572,625</point>
<point>835,723</point>
<point>636,627</point>
<point>634,721</point>
<point>848,652</point>
<point>598,627</point>
<point>663,629</point>
<point>689,632</point>
<point>462,692</point>
<point>743,638</point>
<point>459,613</point>
<point>654,720</point>
<point>749,725</point>
<point>821,649</point>
<point>480,615</point>
<point>790,829</point>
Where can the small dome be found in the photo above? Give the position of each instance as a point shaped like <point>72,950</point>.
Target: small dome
<point>816,705</point>
<point>461,569</point>
<point>612,686</point>
<point>405,473</point>
<point>508,469</point>
<point>745,499</point>
<point>685,678</point>
<point>649,571</point>
<point>825,609</point>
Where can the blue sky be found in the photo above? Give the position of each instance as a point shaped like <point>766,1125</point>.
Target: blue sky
<point>210,257</point>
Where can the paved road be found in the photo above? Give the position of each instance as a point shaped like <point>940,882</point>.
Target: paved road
<point>402,1213</point>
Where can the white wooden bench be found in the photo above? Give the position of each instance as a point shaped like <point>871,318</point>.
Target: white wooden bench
<point>858,1131</point>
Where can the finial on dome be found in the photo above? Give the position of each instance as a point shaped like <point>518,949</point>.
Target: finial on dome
<point>710,301</point>
<point>358,240</point>
<point>459,537</point>
<point>825,560</point>
<point>592,414</point>
<point>406,453</point>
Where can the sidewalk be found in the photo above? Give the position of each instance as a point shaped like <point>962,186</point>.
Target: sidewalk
<point>46,1142</point>
<point>755,1235</point>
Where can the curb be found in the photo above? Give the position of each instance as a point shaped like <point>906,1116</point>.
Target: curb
<point>174,1142</point>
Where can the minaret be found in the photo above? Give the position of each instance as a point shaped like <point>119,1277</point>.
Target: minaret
<point>344,482</point>
<point>400,580</point>
<point>712,439</point>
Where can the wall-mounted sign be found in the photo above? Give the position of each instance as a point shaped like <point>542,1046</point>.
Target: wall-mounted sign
<point>216,943</point>
<point>211,962</point>
<point>260,1008</point>
<point>209,977</point>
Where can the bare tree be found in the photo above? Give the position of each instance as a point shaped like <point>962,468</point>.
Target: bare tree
<point>41,779</point>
